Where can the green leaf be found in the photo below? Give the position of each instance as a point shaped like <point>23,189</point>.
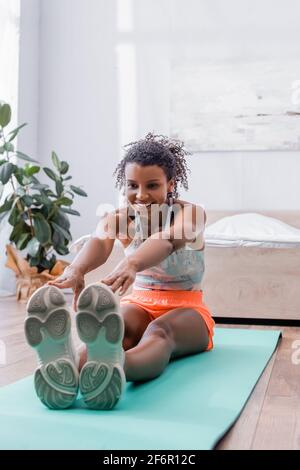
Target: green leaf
<point>55,161</point>
<point>65,233</point>
<point>42,199</point>
<point>2,150</point>
<point>52,212</point>
<point>23,240</point>
<point>68,178</point>
<point>79,191</point>
<point>18,231</point>
<point>42,229</point>
<point>40,186</point>
<point>45,210</point>
<point>34,261</point>
<point>15,216</point>
<point>50,193</point>
<point>46,264</point>
<point>70,211</point>
<point>5,114</point>
<point>19,174</point>
<point>57,239</point>
<point>59,243</point>
<point>15,132</point>
<point>28,200</point>
<point>25,157</point>
<point>8,147</point>
<point>62,250</point>
<point>35,211</point>
<point>64,201</point>
<point>64,168</point>
<point>59,188</point>
<point>31,170</point>
<point>61,219</point>
<point>50,173</point>
<point>7,205</point>
<point>6,171</point>
<point>33,247</point>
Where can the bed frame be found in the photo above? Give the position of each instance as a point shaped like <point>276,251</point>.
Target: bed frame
<point>256,283</point>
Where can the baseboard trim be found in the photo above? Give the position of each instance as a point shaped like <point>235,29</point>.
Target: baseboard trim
<point>256,321</point>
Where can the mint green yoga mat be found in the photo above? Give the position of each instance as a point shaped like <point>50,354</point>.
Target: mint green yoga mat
<point>190,406</point>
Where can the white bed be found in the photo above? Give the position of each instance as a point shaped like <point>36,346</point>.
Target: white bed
<point>253,265</point>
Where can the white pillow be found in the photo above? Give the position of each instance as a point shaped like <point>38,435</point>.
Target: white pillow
<point>252,230</point>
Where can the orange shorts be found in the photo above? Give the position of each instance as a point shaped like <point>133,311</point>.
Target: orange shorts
<point>159,302</point>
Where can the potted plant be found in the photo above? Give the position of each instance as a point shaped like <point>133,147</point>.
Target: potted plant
<point>37,213</point>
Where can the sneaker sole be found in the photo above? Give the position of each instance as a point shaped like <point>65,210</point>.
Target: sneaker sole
<point>101,327</point>
<point>47,330</point>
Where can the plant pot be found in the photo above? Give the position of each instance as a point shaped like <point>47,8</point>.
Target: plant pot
<point>28,279</point>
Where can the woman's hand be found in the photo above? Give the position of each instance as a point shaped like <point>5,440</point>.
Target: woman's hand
<point>121,277</point>
<point>71,277</point>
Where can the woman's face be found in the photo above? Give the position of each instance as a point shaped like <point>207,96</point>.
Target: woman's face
<point>146,185</point>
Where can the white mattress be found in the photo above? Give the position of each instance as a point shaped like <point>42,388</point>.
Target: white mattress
<point>252,230</point>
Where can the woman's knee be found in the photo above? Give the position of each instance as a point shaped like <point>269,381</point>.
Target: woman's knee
<point>185,330</point>
<point>161,329</point>
<point>135,322</point>
<point>129,342</point>
<point>131,336</point>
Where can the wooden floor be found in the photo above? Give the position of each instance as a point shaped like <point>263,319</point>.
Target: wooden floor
<point>270,419</point>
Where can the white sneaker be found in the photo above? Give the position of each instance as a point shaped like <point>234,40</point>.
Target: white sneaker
<point>47,330</point>
<point>100,325</point>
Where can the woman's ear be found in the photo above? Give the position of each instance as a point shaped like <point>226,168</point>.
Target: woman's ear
<point>171,186</point>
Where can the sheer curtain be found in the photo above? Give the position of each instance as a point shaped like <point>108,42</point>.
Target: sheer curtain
<point>9,71</point>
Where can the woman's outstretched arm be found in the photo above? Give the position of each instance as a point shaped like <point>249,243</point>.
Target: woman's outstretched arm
<point>187,227</point>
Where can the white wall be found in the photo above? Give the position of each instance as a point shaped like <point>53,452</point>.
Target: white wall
<point>78,110</point>
<point>28,105</point>
<point>209,31</point>
<point>89,51</point>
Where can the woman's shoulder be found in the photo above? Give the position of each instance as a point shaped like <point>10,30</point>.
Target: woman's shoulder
<point>198,217</point>
<point>187,203</point>
<point>196,208</point>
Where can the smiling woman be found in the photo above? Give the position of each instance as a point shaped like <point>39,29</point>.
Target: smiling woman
<point>164,317</point>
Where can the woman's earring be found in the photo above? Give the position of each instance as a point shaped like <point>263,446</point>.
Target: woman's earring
<point>170,198</point>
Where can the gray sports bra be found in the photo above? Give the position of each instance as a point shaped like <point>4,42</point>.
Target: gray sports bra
<point>181,270</point>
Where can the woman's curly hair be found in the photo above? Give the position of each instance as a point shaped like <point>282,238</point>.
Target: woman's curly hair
<point>159,150</point>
